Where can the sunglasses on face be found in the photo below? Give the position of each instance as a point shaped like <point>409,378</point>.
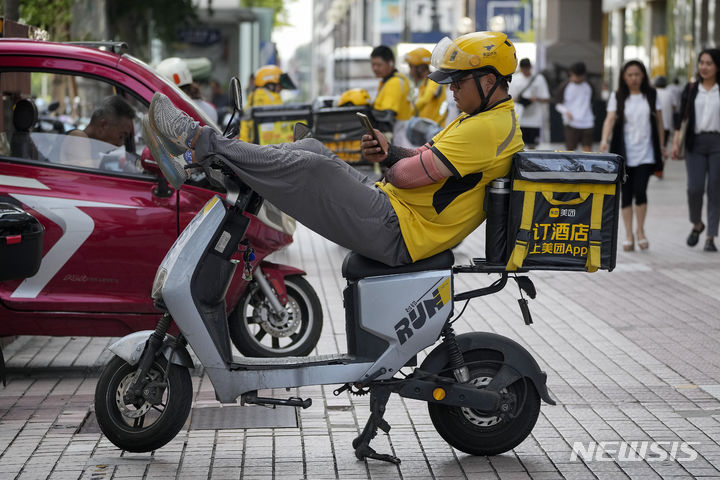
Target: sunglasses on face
<point>457,83</point>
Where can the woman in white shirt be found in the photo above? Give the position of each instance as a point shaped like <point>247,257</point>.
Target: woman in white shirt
<point>634,119</point>
<point>700,105</point>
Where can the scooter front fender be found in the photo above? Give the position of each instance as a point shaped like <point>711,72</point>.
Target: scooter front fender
<point>276,274</point>
<point>130,348</point>
<point>513,354</point>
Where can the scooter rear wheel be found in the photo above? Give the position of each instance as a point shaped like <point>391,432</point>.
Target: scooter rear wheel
<point>481,433</point>
<point>257,332</point>
<point>142,427</point>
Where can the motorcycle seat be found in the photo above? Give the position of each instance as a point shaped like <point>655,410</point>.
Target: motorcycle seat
<point>355,266</point>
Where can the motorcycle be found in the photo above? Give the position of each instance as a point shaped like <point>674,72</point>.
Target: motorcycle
<point>483,390</point>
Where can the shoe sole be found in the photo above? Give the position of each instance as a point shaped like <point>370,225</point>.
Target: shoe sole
<point>174,145</point>
<point>173,171</point>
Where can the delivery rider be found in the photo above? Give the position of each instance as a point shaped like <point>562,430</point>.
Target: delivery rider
<point>269,81</point>
<point>392,107</point>
<point>430,102</point>
<point>437,191</point>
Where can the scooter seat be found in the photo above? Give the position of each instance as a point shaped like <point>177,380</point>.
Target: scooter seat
<point>355,266</point>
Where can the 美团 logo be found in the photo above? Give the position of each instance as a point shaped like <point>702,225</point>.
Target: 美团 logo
<point>634,451</point>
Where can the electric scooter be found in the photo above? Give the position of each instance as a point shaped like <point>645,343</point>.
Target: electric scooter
<point>483,390</point>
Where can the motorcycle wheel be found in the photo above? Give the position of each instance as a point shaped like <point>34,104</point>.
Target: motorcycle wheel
<point>141,427</point>
<point>480,433</point>
<point>257,332</point>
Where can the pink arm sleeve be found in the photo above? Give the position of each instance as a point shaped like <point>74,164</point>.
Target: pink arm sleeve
<point>415,171</point>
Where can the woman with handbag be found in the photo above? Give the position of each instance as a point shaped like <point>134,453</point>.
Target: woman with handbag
<point>700,111</point>
<point>634,119</point>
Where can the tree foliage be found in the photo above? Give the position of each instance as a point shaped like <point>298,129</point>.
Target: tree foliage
<point>131,19</point>
<point>54,16</point>
<point>279,13</point>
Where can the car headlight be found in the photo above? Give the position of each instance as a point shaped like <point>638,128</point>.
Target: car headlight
<point>160,277</point>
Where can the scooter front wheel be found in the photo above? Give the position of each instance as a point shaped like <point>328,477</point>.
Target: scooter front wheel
<point>482,433</point>
<point>144,425</point>
<point>257,331</point>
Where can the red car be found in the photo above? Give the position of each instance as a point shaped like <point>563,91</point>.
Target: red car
<point>109,217</point>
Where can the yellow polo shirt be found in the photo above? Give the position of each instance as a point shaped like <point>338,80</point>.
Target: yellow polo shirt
<point>476,149</point>
<point>430,98</point>
<point>394,94</point>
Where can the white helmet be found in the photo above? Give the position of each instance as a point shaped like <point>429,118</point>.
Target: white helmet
<point>176,70</point>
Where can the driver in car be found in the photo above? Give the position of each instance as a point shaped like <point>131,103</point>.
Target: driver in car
<point>111,123</point>
<point>432,196</point>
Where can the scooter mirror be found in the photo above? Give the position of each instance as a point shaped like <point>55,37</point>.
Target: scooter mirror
<point>236,92</point>
<point>236,98</point>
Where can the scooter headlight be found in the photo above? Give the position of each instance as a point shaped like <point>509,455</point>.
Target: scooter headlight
<point>160,277</point>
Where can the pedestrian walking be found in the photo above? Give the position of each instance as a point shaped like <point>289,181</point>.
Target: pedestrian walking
<point>634,127</point>
<point>573,100</point>
<point>668,106</point>
<point>530,93</point>
<point>700,107</point>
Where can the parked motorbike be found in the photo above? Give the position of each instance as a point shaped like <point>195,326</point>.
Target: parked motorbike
<point>483,390</point>
<point>279,313</point>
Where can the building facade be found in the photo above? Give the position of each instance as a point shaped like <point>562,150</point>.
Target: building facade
<point>666,35</point>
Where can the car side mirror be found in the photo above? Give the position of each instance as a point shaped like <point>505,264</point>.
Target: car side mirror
<point>149,164</point>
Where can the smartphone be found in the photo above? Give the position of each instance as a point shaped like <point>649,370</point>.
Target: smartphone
<point>369,128</point>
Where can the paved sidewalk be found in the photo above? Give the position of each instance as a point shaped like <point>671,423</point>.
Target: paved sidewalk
<point>631,356</point>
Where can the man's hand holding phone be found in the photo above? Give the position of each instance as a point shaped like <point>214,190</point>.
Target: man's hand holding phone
<point>374,145</point>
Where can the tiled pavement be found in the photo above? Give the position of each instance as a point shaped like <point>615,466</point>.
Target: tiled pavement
<point>631,356</point>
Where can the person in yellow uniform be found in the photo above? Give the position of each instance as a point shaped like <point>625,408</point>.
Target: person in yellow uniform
<point>269,80</point>
<point>432,196</point>
<point>430,102</point>
<point>392,107</point>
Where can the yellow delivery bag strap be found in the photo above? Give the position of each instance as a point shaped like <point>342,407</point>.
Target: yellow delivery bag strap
<point>517,257</point>
<point>595,238</point>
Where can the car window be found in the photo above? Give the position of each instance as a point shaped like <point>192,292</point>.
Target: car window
<point>74,121</point>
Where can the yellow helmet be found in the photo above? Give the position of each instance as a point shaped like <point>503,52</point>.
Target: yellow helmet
<point>273,74</point>
<point>267,74</point>
<point>354,96</point>
<point>489,51</point>
<point>419,56</point>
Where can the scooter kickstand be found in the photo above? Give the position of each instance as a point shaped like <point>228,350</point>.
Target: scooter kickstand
<point>379,396</point>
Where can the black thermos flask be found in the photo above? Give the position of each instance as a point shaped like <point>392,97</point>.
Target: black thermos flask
<point>497,204</point>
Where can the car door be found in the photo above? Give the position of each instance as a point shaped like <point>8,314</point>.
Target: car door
<point>108,225</point>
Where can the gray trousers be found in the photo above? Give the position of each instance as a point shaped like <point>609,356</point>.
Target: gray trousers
<point>310,183</point>
<point>703,167</point>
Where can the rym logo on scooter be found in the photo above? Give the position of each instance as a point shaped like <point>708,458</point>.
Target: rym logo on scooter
<point>423,309</point>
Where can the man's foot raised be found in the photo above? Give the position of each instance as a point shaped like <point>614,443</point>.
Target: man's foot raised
<point>172,166</point>
<point>172,124</point>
